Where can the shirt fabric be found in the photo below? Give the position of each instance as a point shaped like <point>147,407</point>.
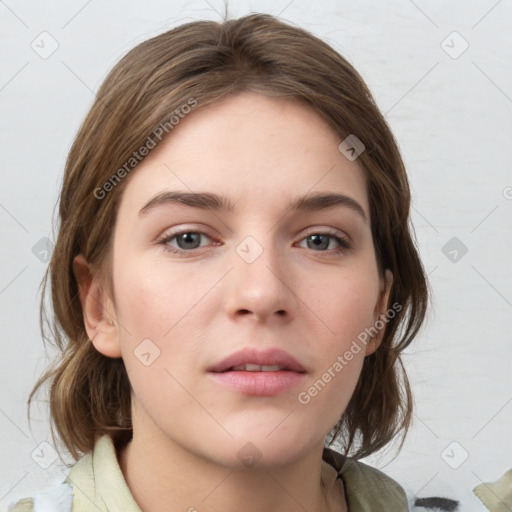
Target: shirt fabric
<point>98,485</point>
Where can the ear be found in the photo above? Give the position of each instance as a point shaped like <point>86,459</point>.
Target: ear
<point>379,314</point>
<point>99,317</point>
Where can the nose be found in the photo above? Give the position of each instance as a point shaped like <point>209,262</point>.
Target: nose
<point>261,284</point>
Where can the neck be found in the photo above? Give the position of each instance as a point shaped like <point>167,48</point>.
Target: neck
<point>159,471</point>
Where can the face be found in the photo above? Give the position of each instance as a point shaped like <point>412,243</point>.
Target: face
<point>192,285</point>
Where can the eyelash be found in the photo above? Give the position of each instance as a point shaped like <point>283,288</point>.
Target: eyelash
<point>343,244</point>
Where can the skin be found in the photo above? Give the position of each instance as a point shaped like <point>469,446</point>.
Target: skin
<point>202,306</point>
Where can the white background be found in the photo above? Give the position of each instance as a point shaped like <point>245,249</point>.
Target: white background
<point>452,118</point>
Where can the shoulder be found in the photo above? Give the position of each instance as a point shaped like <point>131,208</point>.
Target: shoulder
<point>366,487</point>
<point>57,498</point>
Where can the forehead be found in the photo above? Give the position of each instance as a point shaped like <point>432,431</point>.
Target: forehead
<point>250,147</point>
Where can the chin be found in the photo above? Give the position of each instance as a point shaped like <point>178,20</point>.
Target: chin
<point>259,449</point>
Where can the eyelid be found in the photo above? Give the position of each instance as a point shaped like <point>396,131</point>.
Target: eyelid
<point>178,230</point>
<point>326,231</point>
<point>169,235</point>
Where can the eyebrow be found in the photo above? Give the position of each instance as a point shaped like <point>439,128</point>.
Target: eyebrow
<point>206,200</point>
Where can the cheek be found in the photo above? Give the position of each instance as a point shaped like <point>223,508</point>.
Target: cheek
<point>345,301</point>
<point>170,309</point>
<point>151,298</point>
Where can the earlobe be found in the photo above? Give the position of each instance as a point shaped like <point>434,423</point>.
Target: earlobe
<point>99,319</point>
<point>380,317</point>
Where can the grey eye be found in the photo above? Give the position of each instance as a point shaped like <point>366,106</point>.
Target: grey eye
<point>318,241</point>
<point>188,240</point>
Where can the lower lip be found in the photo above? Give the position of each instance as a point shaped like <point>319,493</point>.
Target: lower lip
<point>258,383</point>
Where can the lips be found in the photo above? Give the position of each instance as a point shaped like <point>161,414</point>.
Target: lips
<point>252,360</point>
<point>258,373</point>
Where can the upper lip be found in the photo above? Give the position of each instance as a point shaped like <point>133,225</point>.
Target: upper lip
<point>269,357</point>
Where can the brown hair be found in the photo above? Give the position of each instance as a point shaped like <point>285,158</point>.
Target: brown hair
<point>205,61</point>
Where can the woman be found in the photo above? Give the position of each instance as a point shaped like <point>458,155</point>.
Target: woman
<point>233,282</point>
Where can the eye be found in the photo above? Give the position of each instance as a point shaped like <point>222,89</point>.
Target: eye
<point>186,241</point>
<point>322,240</point>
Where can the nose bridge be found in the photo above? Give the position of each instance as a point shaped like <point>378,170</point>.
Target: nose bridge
<point>259,283</point>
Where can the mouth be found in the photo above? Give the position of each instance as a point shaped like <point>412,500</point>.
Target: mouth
<point>250,367</point>
<point>252,360</point>
<point>256,373</point>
